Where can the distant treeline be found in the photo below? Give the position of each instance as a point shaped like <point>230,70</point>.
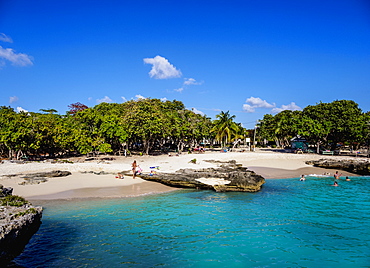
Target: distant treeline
<point>151,124</point>
<point>324,124</point>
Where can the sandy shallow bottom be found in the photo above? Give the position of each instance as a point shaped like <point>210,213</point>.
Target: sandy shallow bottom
<point>142,188</point>
<point>278,173</point>
<point>84,184</point>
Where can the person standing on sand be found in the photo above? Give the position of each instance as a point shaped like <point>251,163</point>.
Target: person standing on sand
<point>134,166</point>
<point>337,175</point>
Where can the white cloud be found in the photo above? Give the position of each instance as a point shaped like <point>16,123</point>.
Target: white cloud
<point>191,81</point>
<point>123,99</point>
<point>188,82</point>
<point>139,97</point>
<point>292,106</point>
<point>259,103</point>
<point>89,98</point>
<point>13,99</point>
<point>162,69</point>
<point>163,99</point>
<point>179,89</point>
<point>196,111</point>
<point>248,108</point>
<point>5,38</point>
<point>19,59</point>
<point>105,99</point>
<point>20,109</point>
<point>252,103</point>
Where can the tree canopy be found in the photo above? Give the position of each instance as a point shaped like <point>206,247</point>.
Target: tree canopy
<point>151,124</point>
<point>142,125</point>
<point>325,124</point>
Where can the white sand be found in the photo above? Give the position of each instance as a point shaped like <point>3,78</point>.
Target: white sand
<point>266,163</point>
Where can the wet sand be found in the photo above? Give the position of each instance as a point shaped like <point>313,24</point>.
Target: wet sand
<point>143,188</point>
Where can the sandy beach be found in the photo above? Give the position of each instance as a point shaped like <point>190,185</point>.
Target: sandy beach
<point>85,184</point>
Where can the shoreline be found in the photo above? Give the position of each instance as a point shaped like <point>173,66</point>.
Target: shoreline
<point>137,189</point>
<point>84,184</point>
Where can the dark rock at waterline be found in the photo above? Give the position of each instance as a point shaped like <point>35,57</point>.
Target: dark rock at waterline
<point>360,166</point>
<point>231,177</point>
<point>17,226</point>
<point>5,191</point>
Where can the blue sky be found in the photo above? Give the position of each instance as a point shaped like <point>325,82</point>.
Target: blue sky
<point>248,57</point>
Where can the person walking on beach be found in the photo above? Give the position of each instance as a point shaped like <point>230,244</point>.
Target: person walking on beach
<point>134,166</point>
<point>337,175</point>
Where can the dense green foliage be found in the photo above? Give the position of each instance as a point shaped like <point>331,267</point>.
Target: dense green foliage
<point>141,125</point>
<point>323,124</point>
<point>151,124</point>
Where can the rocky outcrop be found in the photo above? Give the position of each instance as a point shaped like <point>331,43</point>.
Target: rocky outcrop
<point>17,226</point>
<point>360,166</point>
<point>5,191</point>
<point>229,177</point>
<point>37,178</point>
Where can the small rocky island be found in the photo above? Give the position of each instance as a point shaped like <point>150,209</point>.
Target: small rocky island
<point>228,177</point>
<point>357,166</point>
<point>19,221</point>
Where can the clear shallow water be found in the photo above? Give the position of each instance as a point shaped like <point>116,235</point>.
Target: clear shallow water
<point>288,224</point>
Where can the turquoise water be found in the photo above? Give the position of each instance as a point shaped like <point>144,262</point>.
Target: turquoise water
<point>288,224</point>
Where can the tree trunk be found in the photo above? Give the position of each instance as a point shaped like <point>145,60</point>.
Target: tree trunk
<point>19,154</point>
<point>147,146</point>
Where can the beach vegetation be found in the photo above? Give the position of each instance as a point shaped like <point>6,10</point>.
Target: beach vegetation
<point>27,211</point>
<point>13,200</point>
<point>140,126</point>
<point>225,128</point>
<point>325,125</point>
<point>147,126</point>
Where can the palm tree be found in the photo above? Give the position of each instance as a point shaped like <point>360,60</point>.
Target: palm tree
<point>224,127</point>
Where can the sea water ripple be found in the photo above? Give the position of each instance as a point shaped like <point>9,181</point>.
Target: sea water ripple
<point>287,224</point>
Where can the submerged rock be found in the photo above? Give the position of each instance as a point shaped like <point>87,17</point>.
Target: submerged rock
<point>229,177</point>
<point>360,166</point>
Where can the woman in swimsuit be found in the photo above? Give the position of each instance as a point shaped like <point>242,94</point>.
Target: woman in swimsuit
<point>134,166</point>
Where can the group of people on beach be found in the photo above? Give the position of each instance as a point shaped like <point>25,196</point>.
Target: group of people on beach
<point>336,178</point>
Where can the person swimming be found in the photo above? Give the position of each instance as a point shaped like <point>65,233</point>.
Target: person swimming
<point>347,179</point>
<point>335,183</point>
<point>302,178</point>
<point>337,175</point>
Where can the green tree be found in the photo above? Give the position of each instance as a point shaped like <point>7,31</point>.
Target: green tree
<point>331,123</point>
<point>224,127</point>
